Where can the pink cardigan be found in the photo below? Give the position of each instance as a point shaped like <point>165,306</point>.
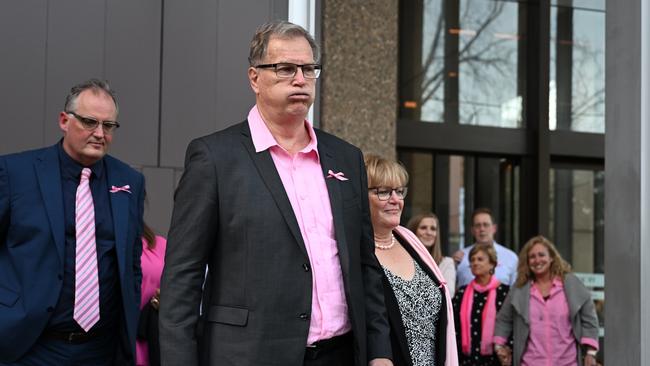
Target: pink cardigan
<point>451,358</point>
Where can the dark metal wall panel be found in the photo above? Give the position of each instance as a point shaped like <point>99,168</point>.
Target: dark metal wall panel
<point>132,65</point>
<point>205,50</point>
<point>188,90</point>
<point>22,74</point>
<point>234,95</point>
<point>75,52</point>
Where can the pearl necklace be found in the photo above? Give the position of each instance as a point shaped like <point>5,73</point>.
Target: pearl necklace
<point>386,246</point>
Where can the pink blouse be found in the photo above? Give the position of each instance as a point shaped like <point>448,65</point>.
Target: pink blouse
<point>152,262</point>
<point>551,341</point>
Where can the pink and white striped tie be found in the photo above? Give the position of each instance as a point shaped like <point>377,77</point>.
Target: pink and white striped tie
<point>86,292</point>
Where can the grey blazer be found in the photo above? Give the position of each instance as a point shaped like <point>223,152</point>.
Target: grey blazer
<point>513,318</point>
<point>232,213</point>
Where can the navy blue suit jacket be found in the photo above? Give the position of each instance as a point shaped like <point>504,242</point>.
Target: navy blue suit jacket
<point>32,241</point>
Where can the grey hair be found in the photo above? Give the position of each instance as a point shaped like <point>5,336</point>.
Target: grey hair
<point>280,29</point>
<point>97,86</point>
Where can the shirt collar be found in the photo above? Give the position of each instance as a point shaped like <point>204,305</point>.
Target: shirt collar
<point>263,139</point>
<point>71,168</point>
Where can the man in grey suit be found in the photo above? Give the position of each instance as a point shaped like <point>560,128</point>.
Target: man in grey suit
<point>279,212</point>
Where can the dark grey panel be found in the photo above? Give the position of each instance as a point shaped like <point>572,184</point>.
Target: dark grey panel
<point>132,65</point>
<point>22,74</point>
<point>204,82</point>
<point>626,173</point>
<point>234,95</point>
<point>188,90</point>
<point>160,198</point>
<point>75,52</point>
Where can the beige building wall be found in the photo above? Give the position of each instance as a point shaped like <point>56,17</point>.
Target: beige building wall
<point>359,85</point>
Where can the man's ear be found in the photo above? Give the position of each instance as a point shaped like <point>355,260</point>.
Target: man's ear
<point>64,121</point>
<point>253,76</point>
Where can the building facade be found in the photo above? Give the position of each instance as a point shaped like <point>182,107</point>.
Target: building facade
<point>502,104</point>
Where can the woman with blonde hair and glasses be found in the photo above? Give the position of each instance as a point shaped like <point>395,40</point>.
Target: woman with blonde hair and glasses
<point>426,227</point>
<point>548,312</point>
<point>417,299</point>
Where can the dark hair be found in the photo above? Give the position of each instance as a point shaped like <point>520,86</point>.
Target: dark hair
<point>488,249</point>
<point>149,236</point>
<point>280,29</point>
<point>483,210</point>
<point>96,86</point>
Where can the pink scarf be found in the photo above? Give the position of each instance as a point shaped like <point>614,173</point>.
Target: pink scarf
<point>423,252</point>
<point>488,315</point>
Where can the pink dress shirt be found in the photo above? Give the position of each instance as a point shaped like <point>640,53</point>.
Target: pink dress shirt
<point>152,262</point>
<point>551,341</point>
<point>304,183</point>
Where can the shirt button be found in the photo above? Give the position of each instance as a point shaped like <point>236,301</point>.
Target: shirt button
<point>304,316</point>
<point>305,266</point>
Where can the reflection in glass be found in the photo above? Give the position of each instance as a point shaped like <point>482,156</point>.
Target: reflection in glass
<point>577,72</point>
<point>452,186</point>
<point>459,62</point>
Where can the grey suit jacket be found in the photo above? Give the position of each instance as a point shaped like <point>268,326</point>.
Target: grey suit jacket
<point>513,318</point>
<point>232,213</point>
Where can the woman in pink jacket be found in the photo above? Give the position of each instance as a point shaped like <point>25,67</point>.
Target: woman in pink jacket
<point>417,298</point>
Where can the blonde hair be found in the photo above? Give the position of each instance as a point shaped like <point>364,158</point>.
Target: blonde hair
<point>559,267</point>
<point>414,222</point>
<point>384,172</point>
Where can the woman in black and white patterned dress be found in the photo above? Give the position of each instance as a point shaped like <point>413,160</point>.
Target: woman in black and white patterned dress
<point>417,299</point>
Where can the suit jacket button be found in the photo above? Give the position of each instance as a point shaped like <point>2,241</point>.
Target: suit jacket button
<point>304,316</point>
<point>305,266</point>
<point>50,309</point>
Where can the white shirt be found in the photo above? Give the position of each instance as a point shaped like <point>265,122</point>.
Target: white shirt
<point>448,269</point>
<point>506,271</point>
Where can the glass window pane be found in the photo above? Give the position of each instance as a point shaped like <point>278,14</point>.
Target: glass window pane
<point>577,72</point>
<point>577,227</point>
<point>452,186</point>
<point>459,62</point>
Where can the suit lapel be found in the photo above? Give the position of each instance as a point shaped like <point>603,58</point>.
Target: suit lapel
<point>119,209</point>
<point>328,162</point>
<point>48,173</point>
<point>266,168</point>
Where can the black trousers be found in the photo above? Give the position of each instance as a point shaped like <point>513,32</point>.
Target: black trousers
<point>337,351</point>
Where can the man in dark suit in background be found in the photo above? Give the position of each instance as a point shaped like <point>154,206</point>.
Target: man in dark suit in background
<point>70,224</point>
<point>279,212</point>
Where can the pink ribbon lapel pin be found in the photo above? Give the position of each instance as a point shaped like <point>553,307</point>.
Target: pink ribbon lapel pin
<point>125,188</point>
<point>339,175</point>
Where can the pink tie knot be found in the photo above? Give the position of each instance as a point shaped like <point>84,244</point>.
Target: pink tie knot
<point>85,173</point>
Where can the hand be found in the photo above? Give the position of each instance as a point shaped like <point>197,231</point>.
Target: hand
<point>504,353</point>
<point>458,256</point>
<point>590,360</point>
<point>155,300</point>
<point>380,362</point>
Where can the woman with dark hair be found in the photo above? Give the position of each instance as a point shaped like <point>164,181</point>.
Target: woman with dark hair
<point>417,299</point>
<point>152,262</point>
<point>549,313</point>
<point>476,306</point>
<point>427,228</point>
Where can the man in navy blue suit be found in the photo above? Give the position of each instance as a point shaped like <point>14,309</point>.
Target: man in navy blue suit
<point>69,288</point>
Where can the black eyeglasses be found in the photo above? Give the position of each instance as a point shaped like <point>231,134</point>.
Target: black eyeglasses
<point>289,70</point>
<point>91,124</point>
<point>384,193</point>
